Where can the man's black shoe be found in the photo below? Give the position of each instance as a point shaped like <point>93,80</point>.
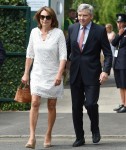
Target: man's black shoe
<point>122,110</point>
<point>96,137</point>
<point>118,108</point>
<point>79,142</point>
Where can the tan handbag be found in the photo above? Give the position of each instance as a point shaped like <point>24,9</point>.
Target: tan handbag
<point>23,94</point>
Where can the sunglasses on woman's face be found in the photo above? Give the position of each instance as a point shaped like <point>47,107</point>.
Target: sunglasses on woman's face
<point>42,17</point>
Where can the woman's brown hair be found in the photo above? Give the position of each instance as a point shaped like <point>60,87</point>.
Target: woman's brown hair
<point>51,12</point>
<point>109,26</point>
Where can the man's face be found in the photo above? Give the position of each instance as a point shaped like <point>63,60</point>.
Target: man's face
<point>72,14</point>
<point>121,25</point>
<point>84,17</point>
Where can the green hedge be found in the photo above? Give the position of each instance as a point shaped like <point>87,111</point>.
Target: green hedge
<point>13,2</point>
<point>13,34</point>
<point>13,29</point>
<point>13,37</point>
<point>10,76</point>
<point>13,106</point>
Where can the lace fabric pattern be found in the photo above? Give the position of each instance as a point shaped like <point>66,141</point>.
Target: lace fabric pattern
<point>47,55</point>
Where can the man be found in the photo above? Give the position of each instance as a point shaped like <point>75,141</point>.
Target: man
<point>120,61</point>
<point>86,73</point>
<point>69,20</point>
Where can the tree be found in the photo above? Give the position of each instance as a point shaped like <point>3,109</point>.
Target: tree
<point>78,2</point>
<point>107,10</point>
<point>68,5</point>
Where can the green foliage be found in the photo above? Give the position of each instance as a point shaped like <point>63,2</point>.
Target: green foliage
<point>13,29</point>
<point>68,4</point>
<point>13,2</point>
<point>76,3</point>
<point>105,10</point>
<point>10,76</point>
<point>6,106</point>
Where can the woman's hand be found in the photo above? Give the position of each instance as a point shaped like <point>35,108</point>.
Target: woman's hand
<point>25,79</point>
<point>57,80</point>
<point>121,31</point>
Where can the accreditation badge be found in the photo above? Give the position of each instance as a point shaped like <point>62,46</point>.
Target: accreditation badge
<point>116,53</point>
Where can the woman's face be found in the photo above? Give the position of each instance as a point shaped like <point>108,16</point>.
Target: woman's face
<point>45,19</point>
<point>108,29</point>
<point>121,25</point>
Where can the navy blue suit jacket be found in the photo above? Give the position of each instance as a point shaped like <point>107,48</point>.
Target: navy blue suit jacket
<point>88,61</point>
<point>120,43</point>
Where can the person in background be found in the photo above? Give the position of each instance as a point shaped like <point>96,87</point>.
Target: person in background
<point>84,44</point>
<point>119,65</point>
<point>47,52</point>
<point>111,35</point>
<point>71,19</point>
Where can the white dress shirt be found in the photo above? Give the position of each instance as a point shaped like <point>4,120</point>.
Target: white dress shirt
<point>86,32</point>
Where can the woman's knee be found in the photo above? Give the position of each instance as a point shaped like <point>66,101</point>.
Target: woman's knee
<point>51,105</point>
<point>35,102</point>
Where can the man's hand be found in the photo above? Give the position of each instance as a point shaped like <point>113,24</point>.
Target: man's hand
<point>103,77</point>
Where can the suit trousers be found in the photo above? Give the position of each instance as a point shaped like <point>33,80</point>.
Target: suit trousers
<point>84,95</point>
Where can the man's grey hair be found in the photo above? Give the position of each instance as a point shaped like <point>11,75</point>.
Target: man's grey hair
<point>86,7</point>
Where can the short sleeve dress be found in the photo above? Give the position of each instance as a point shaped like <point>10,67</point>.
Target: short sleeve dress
<point>47,55</point>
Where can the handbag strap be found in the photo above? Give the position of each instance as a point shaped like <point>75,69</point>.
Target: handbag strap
<point>22,85</point>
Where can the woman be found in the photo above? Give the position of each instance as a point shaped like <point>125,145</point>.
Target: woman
<point>111,35</point>
<point>120,61</point>
<point>48,50</point>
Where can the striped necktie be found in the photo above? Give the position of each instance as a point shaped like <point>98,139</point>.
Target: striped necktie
<point>81,40</point>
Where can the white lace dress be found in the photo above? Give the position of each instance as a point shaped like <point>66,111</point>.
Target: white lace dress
<point>47,55</point>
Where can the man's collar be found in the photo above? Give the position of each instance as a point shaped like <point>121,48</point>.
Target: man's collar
<point>88,25</point>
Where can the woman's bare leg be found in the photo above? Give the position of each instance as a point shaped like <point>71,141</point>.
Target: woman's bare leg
<point>122,93</point>
<point>34,112</point>
<point>51,119</point>
<point>125,97</point>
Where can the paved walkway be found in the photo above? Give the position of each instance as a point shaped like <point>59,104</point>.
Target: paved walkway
<point>111,123</point>
<point>63,144</point>
<point>14,126</point>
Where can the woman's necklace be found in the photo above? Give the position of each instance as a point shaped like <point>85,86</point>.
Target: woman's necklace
<point>44,35</point>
